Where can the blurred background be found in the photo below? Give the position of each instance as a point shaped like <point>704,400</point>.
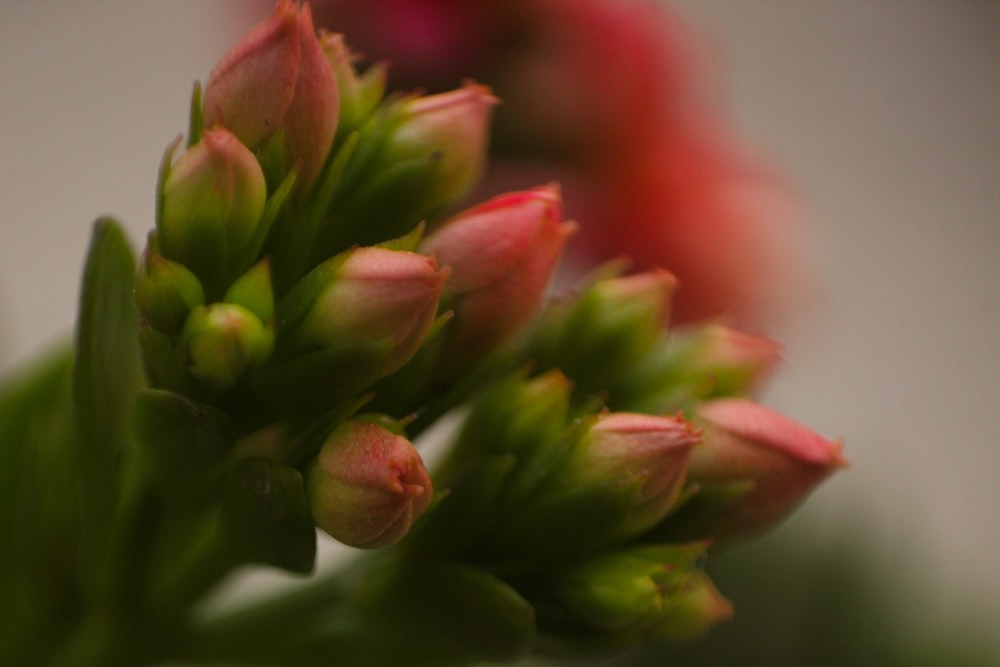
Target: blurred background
<point>885,117</point>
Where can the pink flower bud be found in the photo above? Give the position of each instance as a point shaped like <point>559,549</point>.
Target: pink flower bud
<point>381,300</point>
<point>644,456</point>
<point>367,485</point>
<point>277,78</point>
<point>501,254</point>
<point>212,201</point>
<point>719,361</point>
<point>649,294</point>
<point>453,126</point>
<point>782,458</point>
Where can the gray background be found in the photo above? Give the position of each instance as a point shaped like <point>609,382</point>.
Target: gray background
<point>885,113</point>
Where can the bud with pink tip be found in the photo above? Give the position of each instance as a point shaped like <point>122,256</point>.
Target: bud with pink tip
<point>367,485</point>
<point>211,205</point>
<point>276,82</point>
<point>453,129</point>
<point>222,342</point>
<point>501,254</point>
<point>782,459</point>
<point>642,456</point>
<point>355,318</point>
<point>618,475</point>
<point>715,361</point>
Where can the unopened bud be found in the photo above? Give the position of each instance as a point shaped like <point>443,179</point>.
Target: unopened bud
<point>502,254</point>
<point>165,291</point>
<point>223,342</point>
<point>276,82</point>
<point>642,457</point>
<point>451,128</point>
<point>601,338</point>
<point>211,205</point>
<point>745,441</point>
<point>715,361</point>
<point>359,94</point>
<point>632,590</point>
<point>367,485</point>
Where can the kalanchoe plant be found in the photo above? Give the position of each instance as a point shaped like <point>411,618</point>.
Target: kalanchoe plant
<point>307,305</point>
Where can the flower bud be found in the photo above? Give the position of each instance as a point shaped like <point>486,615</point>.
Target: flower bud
<point>367,485</point>
<point>782,458</point>
<point>379,300</point>
<point>642,457</point>
<point>691,611</point>
<point>451,127</point>
<point>501,254</point>
<point>359,94</point>
<point>612,478</point>
<point>630,590</point>
<point>716,361</point>
<point>603,336</point>
<point>254,292</point>
<point>165,291</point>
<point>212,201</point>
<point>223,342</point>
<point>277,82</point>
<point>356,318</point>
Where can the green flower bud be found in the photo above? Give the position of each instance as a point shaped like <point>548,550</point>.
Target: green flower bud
<point>212,200</point>
<point>631,590</point>
<point>359,94</point>
<point>223,342</point>
<point>606,333</point>
<point>611,478</point>
<point>253,291</point>
<point>354,319</point>
<point>452,128</point>
<point>165,291</point>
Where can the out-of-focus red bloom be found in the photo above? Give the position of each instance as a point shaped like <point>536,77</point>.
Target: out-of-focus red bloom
<point>613,99</point>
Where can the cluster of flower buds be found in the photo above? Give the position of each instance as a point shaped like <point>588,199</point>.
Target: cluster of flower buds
<point>306,264</point>
<point>290,272</point>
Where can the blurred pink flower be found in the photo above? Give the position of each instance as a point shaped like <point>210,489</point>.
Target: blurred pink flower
<point>614,100</point>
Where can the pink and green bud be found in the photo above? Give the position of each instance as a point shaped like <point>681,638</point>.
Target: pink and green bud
<point>691,611</point>
<point>375,300</point>
<point>359,94</point>
<point>501,254</point>
<point>367,485</point>
<point>223,342</point>
<point>276,84</point>
<point>604,336</point>
<point>747,442</point>
<point>451,128</point>
<point>716,361</point>
<point>611,477</point>
<point>165,291</point>
<point>354,319</point>
<point>212,201</point>
<point>642,458</point>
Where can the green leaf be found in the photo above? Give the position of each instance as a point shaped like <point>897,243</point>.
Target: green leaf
<point>451,613</point>
<point>184,442</point>
<point>265,516</point>
<point>106,378</point>
<point>37,488</point>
